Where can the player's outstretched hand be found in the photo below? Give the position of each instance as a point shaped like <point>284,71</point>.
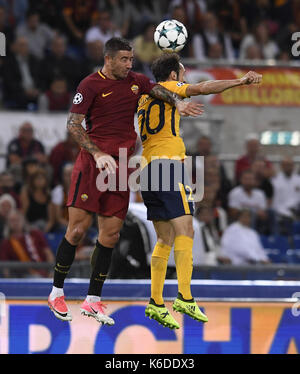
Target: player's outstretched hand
<point>251,78</point>
<point>105,161</point>
<point>190,108</point>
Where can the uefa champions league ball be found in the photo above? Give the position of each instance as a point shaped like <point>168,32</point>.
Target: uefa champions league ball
<point>170,35</point>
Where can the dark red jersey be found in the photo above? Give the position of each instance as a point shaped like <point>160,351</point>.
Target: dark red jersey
<point>109,106</point>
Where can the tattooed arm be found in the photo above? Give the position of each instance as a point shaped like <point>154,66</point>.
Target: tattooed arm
<point>103,160</point>
<point>79,134</point>
<point>161,93</point>
<point>184,108</point>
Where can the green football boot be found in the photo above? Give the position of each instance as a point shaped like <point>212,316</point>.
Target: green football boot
<point>161,314</point>
<point>189,307</point>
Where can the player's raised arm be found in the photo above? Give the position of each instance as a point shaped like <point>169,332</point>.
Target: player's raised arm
<point>217,86</point>
<point>74,125</point>
<point>184,108</point>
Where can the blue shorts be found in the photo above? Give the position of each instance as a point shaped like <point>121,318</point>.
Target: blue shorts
<point>166,190</point>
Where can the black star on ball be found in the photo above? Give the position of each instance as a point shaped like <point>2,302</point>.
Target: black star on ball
<point>179,29</point>
<point>173,45</point>
<point>164,32</point>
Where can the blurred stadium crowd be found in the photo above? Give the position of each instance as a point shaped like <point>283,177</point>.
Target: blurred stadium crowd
<point>52,45</point>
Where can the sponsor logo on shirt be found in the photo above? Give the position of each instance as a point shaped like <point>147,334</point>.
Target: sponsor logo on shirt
<point>77,98</point>
<point>135,89</point>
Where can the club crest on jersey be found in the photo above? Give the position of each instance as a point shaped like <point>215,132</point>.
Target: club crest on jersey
<point>134,88</point>
<point>84,197</point>
<point>179,84</point>
<point>77,98</point>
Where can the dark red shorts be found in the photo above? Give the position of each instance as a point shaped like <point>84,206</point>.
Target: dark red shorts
<point>85,194</point>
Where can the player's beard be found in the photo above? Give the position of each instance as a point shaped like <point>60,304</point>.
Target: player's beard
<point>120,74</point>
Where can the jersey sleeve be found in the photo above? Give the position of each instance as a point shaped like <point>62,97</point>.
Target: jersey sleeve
<point>177,87</point>
<point>83,98</point>
<point>146,84</point>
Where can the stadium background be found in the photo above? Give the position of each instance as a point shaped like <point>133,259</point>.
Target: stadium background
<point>50,47</point>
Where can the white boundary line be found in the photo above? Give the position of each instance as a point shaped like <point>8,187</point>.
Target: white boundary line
<point>195,282</point>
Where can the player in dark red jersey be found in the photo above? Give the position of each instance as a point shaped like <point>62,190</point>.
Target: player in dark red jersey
<point>107,100</point>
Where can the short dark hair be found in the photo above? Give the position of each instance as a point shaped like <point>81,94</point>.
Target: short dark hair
<point>32,12</point>
<point>113,45</point>
<point>247,171</point>
<point>244,211</point>
<point>203,136</point>
<point>164,65</point>
<point>58,77</point>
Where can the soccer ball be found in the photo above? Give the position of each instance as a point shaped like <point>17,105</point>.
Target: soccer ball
<point>170,35</point>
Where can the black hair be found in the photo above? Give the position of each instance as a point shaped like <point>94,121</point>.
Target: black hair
<point>28,161</point>
<point>31,12</point>
<point>147,25</point>
<point>114,45</point>
<point>58,77</point>
<point>247,171</point>
<point>164,65</point>
<point>203,136</point>
<point>244,211</point>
